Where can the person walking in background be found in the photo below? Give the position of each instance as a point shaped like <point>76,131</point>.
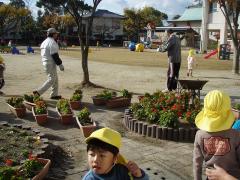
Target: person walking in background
<point>50,59</point>
<point>191,61</point>
<point>216,143</point>
<point>2,68</point>
<point>173,48</point>
<point>10,43</point>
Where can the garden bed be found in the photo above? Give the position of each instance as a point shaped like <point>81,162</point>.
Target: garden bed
<point>184,133</point>
<point>18,142</point>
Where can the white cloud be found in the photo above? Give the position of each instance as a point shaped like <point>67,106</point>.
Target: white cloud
<point>170,7</point>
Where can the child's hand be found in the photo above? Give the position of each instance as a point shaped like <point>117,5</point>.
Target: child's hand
<point>134,169</point>
<point>218,173</point>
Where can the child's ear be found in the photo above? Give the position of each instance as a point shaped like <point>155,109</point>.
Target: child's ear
<point>116,158</point>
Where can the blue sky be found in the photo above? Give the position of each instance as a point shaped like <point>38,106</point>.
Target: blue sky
<point>170,7</point>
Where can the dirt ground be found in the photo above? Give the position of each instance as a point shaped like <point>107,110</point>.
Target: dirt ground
<point>25,73</point>
<point>120,69</point>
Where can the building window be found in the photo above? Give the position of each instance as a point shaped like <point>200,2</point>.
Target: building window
<point>212,7</point>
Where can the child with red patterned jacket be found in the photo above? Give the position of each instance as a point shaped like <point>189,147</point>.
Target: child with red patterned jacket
<point>216,143</point>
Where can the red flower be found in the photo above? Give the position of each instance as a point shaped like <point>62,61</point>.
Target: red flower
<point>9,162</point>
<point>31,157</point>
<point>179,114</point>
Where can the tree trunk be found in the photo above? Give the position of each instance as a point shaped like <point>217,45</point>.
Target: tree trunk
<point>236,61</point>
<point>85,65</point>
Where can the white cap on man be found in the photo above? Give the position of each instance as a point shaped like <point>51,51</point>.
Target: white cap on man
<point>52,31</point>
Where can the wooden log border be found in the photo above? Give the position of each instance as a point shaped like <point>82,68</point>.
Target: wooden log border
<point>181,134</point>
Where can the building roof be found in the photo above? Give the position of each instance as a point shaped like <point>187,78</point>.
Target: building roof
<point>105,13</point>
<point>190,14</point>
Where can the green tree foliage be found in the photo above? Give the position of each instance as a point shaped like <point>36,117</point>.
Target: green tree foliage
<point>231,11</point>
<point>137,19</point>
<point>176,17</point>
<point>77,9</point>
<point>10,18</point>
<point>17,3</point>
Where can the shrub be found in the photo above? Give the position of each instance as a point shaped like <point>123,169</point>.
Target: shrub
<point>168,119</point>
<point>236,106</point>
<point>31,98</point>
<point>16,102</point>
<point>106,94</point>
<point>41,107</point>
<point>64,107</point>
<point>84,116</point>
<point>125,93</point>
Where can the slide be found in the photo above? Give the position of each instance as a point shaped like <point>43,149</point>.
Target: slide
<point>210,54</point>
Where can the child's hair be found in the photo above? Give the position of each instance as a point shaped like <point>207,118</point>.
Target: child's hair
<point>96,144</point>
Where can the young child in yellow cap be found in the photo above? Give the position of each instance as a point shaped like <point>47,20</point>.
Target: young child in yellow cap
<point>104,159</point>
<point>2,68</point>
<point>216,143</point>
<point>191,60</point>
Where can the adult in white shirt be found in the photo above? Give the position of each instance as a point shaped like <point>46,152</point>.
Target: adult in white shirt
<point>50,59</point>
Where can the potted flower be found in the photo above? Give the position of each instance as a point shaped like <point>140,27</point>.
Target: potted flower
<point>85,123</point>
<point>16,106</point>
<point>122,101</point>
<point>103,97</point>
<point>236,110</point>
<point>40,112</point>
<point>34,168</point>
<point>64,111</point>
<point>75,99</point>
<point>29,100</point>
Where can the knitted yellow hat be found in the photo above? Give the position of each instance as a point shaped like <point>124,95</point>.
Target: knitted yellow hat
<point>216,114</point>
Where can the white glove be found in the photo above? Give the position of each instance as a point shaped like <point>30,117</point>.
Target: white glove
<point>61,67</point>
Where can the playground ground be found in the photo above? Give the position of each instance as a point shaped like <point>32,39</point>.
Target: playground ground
<point>114,68</point>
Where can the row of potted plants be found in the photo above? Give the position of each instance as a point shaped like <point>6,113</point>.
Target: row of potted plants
<point>111,100</point>
<point>84,121</point>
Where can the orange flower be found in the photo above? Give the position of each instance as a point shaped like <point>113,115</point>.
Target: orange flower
<point>9,162</point>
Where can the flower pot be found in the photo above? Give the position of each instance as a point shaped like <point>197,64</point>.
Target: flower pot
<point>75,104</point>
<point>236,113</point>
<point>118,102</point>
<point>65,118</point>
<point>86,129</point>
<point>99,101</point>
<point>44,171</point>
<point>18,112</point>
<point>41,119</point>
<point>29,105</point>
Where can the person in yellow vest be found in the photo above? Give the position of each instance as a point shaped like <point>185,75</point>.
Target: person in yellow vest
<point>106,162</point>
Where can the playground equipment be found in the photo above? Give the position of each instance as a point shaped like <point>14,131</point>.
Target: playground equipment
<point>132,46</point>
<point>139,47</point>
<point>224,51</point>
<point>30,49</point>
<point>15,50</point>
<point>210,54</point>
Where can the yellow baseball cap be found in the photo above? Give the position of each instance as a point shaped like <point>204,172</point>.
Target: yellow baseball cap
<point>106,135</point>
<point>111,137</point>
<point>216,114</point>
